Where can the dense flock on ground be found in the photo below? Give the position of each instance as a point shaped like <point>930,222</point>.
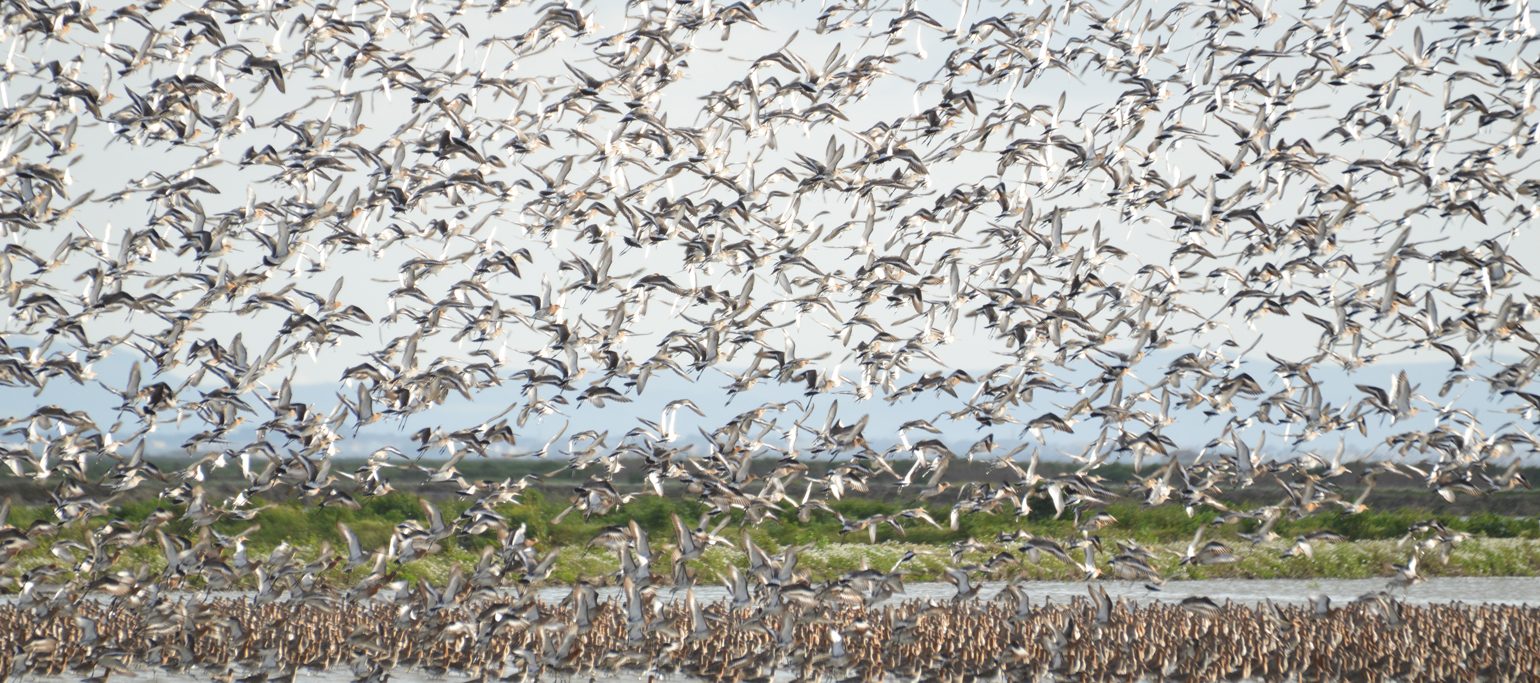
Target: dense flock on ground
<point>861,234</point>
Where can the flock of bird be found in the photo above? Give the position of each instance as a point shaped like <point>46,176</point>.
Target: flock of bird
<point>1060,220</point>
<point>1373,639</point>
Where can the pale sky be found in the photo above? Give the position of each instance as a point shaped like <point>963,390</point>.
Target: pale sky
<point>1090,115</point>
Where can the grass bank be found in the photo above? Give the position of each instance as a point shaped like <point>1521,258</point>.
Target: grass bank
<point>1499,545</point>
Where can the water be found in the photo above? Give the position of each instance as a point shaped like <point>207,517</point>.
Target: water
<point>1498,590</point>
<point>1480,589</point>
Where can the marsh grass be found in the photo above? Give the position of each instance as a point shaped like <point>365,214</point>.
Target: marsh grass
<point>1499,545</point>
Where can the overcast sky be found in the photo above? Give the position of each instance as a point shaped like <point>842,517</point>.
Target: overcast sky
<point>1082,107</point>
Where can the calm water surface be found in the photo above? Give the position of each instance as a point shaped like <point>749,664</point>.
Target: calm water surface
<point>1495,590</point>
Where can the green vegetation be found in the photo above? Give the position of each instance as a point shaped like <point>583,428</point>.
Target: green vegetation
<point>1499,545</point>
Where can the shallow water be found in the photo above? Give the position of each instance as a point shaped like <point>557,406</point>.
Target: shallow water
<point>1483,589</point>
<point>1504,590</point>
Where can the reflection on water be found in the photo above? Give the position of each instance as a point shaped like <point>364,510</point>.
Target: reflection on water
<point>1503,590</point>
<point>1497,590</point>
<point>1487,589</point>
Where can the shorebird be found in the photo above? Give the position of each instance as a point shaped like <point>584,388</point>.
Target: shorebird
<point>1083,227</point>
